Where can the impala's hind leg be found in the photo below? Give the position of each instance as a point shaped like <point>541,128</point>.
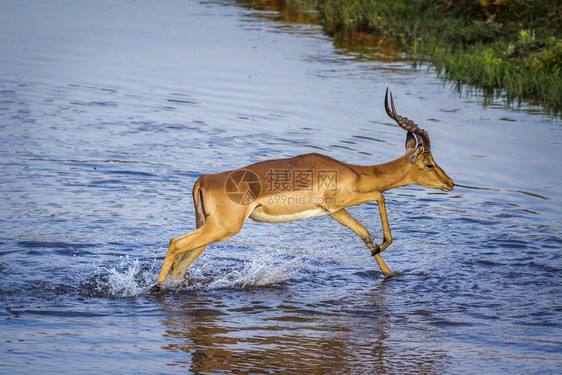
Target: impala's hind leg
<point>193,244</point>
<point>215,229</point>
<point>344,218</point>
<point>182,263</point>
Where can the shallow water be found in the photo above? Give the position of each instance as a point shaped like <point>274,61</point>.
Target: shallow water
<point>109,112</point>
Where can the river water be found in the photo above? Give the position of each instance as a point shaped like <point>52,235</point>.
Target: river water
<point>110,111</point>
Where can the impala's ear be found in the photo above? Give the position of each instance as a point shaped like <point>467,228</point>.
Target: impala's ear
<point>410,141</point>
<point>419,152</point>
<point>414,154</point>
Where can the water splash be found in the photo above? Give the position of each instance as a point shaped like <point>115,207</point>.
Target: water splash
<point>128,279</point>
<point>134,277</point>
<point>129,283</point>
<point>260,271</point>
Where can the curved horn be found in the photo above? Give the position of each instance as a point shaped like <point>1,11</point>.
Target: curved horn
<point>407,124</point>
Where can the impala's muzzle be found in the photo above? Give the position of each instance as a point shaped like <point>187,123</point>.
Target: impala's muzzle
<point>449,186</point>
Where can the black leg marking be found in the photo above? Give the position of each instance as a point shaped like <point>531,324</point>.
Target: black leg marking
<point>376,250</point>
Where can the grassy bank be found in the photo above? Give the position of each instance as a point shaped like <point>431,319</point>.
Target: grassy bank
<point>507,47</point>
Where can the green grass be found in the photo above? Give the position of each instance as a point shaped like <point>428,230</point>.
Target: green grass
<point>511,48</point>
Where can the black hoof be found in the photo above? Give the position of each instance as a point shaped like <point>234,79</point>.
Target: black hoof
<point>376,250</point>
<point>156,289</point>
<point>389,275</point>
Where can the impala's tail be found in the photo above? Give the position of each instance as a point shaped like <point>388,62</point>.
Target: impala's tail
<point>200,214</point>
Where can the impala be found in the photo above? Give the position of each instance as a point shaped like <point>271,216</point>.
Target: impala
<point>302,187</point>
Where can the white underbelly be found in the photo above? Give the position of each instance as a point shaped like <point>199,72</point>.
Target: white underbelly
<point>259,215</point>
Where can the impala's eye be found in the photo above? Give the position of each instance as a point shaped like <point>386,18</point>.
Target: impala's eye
<point>430,166</point>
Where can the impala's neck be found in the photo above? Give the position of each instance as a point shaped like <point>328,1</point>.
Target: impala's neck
<point>385,176</point>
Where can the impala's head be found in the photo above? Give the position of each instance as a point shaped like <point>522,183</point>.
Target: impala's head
<point>424,171</point>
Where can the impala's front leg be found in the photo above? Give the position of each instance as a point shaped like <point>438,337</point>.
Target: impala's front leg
<point>344,218</point>
<point>387,236</point>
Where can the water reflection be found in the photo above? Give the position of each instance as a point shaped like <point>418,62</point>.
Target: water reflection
<point>356,45</point>
<point>268,331</point>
